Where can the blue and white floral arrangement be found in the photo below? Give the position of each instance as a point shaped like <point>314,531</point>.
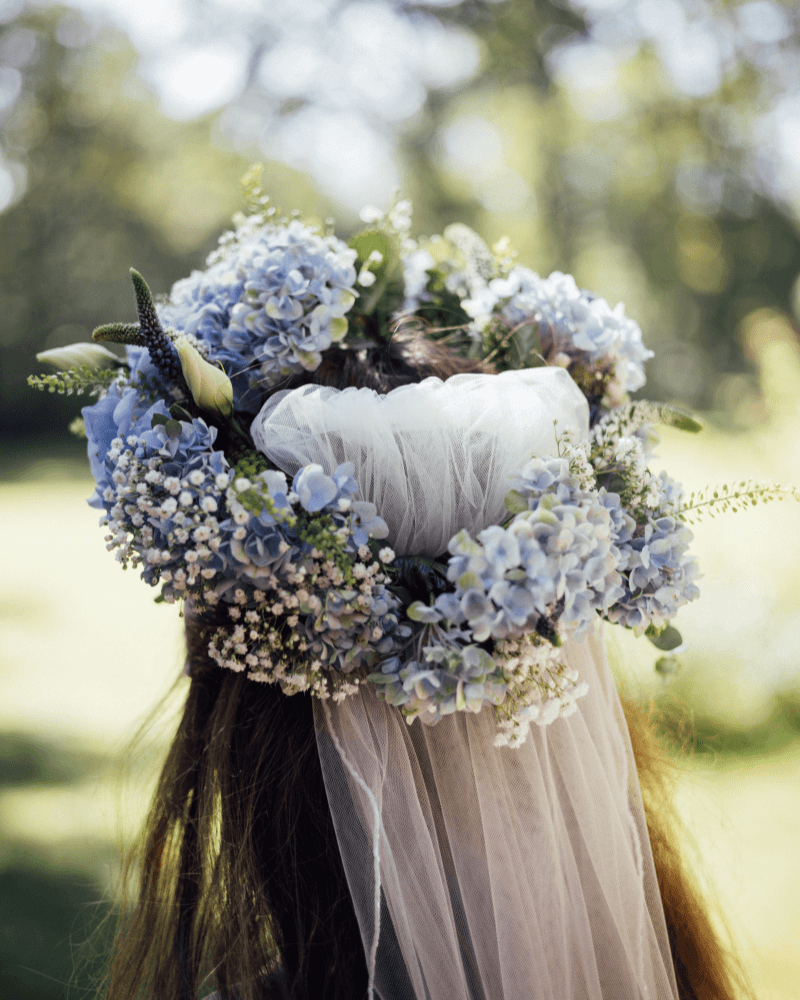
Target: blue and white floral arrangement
<point>313,598</point>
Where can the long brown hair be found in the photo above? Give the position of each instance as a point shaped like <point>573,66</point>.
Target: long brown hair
<point>241,885</point>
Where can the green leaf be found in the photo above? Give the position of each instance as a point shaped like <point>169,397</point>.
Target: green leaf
<point>178,412</point>
<point>370,240</point>
<point>668,639</point>
<point>515,502</point>
<point>381,678</point>
<point>525,347</point>
<point>172,426</point>
<point>673,416</point>
<point>669,416</point>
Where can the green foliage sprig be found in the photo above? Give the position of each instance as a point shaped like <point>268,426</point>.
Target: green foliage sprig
<point>708,502</point>
<point>76,381</point>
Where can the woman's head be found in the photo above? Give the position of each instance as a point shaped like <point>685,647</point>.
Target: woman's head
<point>241,873</point>
<point>241,870</point>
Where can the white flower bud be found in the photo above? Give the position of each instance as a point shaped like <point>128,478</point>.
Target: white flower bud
<point>210,387</point>
<point>78,355</point>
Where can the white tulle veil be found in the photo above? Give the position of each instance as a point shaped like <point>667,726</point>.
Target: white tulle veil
<point>478,872</point>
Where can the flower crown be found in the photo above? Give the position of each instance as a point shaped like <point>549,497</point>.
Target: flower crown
<point>298,572</point>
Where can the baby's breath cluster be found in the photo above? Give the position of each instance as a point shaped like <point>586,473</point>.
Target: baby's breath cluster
<point>307,629</point>
<point>164,523</point>
<point>539,688</point>
<point>308,601</point>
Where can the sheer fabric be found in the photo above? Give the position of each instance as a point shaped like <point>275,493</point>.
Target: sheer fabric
<point>484,873</point>
<point>434,457</point>
<point>477,872</point>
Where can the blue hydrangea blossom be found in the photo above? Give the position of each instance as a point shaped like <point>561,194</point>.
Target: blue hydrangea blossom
<point>571,321</point>
<point>272,299</point>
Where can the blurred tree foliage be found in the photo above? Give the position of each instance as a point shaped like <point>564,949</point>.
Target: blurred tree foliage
<point>111,183</point>
<point>644,192</point>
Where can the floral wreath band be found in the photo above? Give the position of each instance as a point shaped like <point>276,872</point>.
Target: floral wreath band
<point>298,574</point>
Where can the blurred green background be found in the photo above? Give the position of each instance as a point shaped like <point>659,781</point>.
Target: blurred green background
<point>650,147</point>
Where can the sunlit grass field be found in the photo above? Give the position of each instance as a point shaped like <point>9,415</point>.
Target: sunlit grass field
<point>85,654</point>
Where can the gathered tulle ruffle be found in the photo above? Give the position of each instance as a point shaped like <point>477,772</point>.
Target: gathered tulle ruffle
<point>434,457</point>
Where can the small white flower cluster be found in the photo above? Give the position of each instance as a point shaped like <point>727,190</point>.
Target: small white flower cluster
<point>397,219</point>
<point>619,446</point>
<point>539,688</point>
<point>578,457</point>
<point>307,600</point>
<point>165,523</point>
<point>309,628</point>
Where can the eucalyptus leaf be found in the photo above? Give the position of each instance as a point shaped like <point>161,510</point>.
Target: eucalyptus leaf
<point>158,419</point>
<point>666,640</point>
<point>179,413</point>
